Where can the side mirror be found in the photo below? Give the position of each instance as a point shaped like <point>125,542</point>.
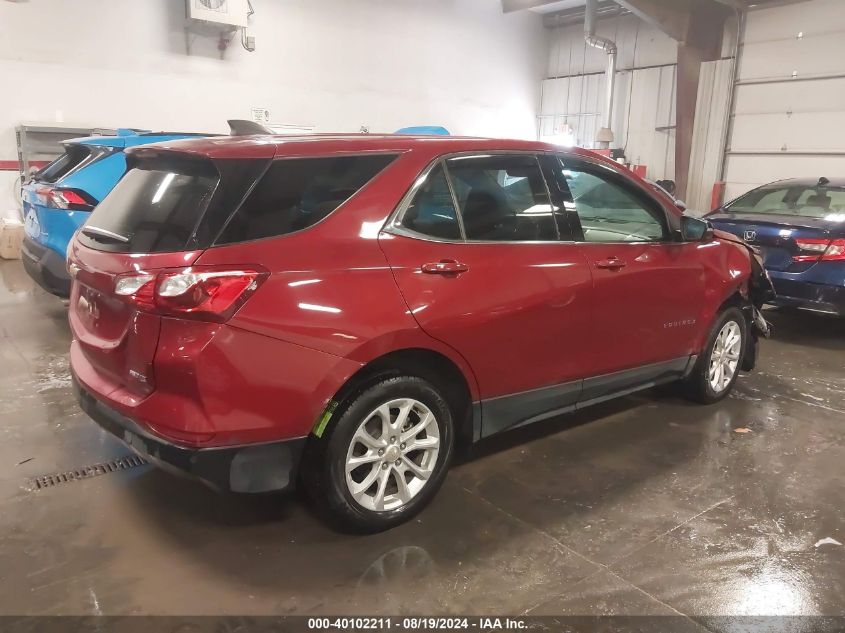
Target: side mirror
<point>696,229</point>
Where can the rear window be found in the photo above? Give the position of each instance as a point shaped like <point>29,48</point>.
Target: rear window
<point>74,158</point>
<point>804,201</point>
<point>156,207</point>
<point>295,194</point>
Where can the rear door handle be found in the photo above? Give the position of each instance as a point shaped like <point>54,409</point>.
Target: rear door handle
<point>445,267</point>
<point>611,263</point>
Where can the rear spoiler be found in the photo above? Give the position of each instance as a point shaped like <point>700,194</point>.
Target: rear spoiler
<point>242,127</point>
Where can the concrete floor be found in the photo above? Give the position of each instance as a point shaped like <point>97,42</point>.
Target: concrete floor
<point>648,505</point>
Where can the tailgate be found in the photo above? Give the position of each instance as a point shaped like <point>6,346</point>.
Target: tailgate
<point>161,215</point>
<point>118,340</point>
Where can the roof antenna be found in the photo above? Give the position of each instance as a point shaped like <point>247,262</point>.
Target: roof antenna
<point>823,182</point>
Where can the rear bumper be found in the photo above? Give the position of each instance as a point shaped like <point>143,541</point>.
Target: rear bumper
<point>46,267</point>
<point>252,468</point>
<point>822,297</point>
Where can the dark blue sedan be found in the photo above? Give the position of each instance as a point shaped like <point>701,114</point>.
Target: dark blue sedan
<point>799,225</point>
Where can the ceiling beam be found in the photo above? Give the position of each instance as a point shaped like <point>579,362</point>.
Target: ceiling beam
<point>670,17</point>
<point>697,22</point>
<point>747,5</point>
<point>509,6</point>
<point>575,15</point>
<point>741,5</point>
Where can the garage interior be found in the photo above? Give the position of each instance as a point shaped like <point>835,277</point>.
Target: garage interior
<point>641,506</point>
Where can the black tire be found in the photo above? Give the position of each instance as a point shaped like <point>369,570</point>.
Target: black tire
<point>697,386</point>
<point>324,470</point>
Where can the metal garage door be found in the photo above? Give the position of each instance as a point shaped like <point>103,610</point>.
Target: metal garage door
<point>789,109</point>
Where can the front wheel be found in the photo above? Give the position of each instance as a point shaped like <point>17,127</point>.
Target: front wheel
<point>717,368</point>
<point>385,456</point>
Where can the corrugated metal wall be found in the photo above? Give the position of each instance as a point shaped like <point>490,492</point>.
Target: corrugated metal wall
<point>789,111</point>
<point>645,91</point>
<point>644,109</point>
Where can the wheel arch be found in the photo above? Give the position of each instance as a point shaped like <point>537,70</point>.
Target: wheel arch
<point>737,299</point>
<point>435,367</point>
<point>733,296</point>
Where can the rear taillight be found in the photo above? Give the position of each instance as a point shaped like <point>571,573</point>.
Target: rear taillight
<point>138,288</point>
<point>68,199</point>
<point>819,250</point>
<point>200,292</point>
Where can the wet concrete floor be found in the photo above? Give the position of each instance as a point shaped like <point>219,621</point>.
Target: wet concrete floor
<point>645,506</point>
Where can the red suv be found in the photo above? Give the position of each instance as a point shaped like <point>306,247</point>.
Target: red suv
<point>344,310</point>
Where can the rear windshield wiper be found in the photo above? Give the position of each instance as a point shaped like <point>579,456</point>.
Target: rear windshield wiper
<point>96,233</point>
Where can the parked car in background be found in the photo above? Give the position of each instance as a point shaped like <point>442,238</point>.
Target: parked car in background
<point>59,198</point>
<point>344,310</point>
<point>799,226</point>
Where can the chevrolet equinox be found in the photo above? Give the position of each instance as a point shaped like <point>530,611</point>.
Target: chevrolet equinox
<point>343,311</point>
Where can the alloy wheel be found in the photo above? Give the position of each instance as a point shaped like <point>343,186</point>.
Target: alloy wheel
<point>724,359</point>
<point>392,454</point>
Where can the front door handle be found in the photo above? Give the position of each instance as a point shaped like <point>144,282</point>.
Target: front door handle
<point>611,263</point>
<point>445,267</point>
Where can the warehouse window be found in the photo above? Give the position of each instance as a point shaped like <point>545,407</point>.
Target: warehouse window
<point>295,194</point>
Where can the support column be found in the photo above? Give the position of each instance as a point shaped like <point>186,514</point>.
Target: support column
<point>689,73</point>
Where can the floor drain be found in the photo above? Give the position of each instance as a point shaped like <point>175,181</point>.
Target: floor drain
<point>86,472</point>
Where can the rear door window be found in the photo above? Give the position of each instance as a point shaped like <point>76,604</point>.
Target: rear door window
<point>296,193</point>
<point>502,198</point>
<point>155,207</point>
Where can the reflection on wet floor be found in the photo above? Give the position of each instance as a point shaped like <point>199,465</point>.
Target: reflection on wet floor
<point>647,505</point>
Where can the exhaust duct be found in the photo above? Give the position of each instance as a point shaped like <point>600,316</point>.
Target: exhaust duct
<point>605,135</point>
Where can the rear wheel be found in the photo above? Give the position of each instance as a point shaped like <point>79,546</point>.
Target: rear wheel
<point>385,456</point>
<point>718,366</point>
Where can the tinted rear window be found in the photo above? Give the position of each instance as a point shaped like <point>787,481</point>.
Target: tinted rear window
<point>71,160</point>
<point>156,207</point>
<point>297,193</point>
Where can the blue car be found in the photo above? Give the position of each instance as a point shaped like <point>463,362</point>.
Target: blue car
<point>799,225</point>
<point>59,198</point>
